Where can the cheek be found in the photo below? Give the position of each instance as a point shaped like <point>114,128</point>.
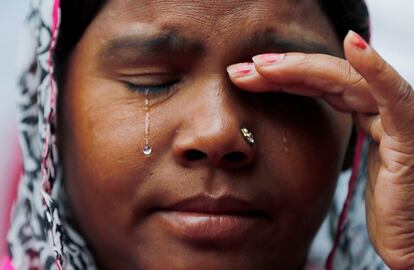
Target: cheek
<point>309,145</point>
<point>104,166</point>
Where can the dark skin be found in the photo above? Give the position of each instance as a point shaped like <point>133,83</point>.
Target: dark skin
<point>114,190</point>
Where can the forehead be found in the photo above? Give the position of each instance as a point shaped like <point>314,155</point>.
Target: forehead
<point>217,22</point>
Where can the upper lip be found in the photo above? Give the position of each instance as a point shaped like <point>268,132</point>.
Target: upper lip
<point>223,205</point>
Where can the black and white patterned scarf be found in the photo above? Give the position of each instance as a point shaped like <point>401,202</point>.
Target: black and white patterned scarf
<point>39,237</point>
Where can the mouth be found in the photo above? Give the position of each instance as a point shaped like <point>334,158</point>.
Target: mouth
<point>223,220</point>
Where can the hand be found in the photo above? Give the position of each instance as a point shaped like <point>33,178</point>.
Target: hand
<point>382,104</point>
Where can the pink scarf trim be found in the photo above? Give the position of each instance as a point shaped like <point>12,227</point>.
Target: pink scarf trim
<point>6,264</point>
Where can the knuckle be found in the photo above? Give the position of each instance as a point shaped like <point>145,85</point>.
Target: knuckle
<point>404,92</point>
<point>344,69</point>
<point>353,78</point>
<point>380,69</point>
<point>306,60</point>
<point>356,81</point>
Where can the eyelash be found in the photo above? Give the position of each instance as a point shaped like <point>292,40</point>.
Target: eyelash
<point>155,90</point>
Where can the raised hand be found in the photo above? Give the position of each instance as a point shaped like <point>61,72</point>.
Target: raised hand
<point>382,104</point>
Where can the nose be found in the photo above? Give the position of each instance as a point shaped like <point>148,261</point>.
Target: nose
<point>212,135</point>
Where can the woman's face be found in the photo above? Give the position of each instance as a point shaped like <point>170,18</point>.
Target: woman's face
<point>204,198</point>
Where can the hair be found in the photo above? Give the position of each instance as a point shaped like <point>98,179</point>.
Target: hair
<point>346,15</point>
<point>78,14</point>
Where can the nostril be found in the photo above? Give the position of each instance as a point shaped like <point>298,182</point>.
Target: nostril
<point>194,155</point>
<point>235,157</point>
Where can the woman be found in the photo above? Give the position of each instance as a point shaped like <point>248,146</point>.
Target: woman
<point>168,147</point>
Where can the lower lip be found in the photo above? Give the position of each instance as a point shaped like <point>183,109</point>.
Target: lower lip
<point>205,227</point>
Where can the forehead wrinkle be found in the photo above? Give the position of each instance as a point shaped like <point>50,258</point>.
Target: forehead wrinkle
<point>177,36</point>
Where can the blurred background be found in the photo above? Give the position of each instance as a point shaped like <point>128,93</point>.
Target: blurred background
<point>393,37</point>
<point>12,14</point>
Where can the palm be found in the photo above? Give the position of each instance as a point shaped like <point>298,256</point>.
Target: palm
<point>389,198</point>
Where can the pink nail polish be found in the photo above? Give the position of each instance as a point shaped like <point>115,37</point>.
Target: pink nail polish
<point>241,70</point>
<point>268,58</point>
<point>359,41</point>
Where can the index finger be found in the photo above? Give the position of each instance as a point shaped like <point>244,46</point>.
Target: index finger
<point>393,94</point>
<point>386,84</point>
<point>318,74</point>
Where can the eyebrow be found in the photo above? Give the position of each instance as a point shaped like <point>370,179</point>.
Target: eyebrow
<point>169,43</point>
<point>164,43</point>
<point>270,40</point>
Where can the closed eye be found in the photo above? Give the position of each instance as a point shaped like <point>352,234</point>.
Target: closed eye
<point>151,89</point>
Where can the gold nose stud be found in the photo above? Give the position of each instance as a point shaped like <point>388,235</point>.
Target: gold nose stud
<point>248,136</point>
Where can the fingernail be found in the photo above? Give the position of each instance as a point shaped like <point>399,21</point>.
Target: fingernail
<point>268,59</point>
<point>241,70</point>
<point>358,41</point>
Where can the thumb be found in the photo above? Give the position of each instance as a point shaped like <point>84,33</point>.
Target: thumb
<point>393,94</point>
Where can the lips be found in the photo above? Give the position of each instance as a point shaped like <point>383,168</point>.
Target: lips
<point>225,205</point>
<point>222,220</point>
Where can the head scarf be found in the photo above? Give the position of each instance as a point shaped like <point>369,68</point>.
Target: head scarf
<point>41,235</point>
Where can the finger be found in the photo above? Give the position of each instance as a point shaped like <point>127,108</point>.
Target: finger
<point>369,124</point>
<point>393,94</point>
<point>332,74</point>
<point>244,75</point>
<point>329,74</point>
